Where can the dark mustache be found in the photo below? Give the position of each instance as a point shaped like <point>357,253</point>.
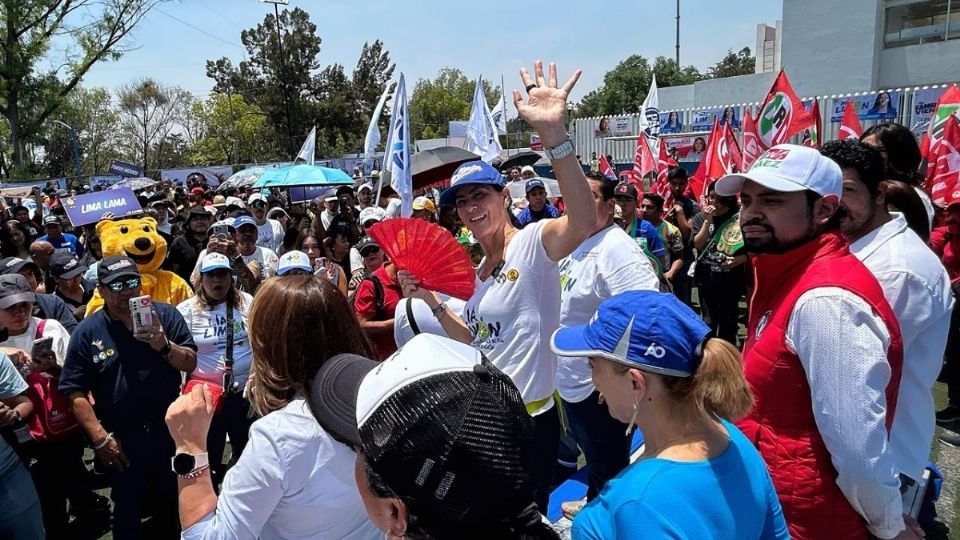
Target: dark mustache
<point>756,223</point>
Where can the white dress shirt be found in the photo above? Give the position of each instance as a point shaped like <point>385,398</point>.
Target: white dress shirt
<point>292,481</point>
<point>918,289</point>
<point>842,346</point>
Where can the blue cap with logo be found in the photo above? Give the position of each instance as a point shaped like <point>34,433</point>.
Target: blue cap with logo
<point>471,172</point>
<point>243,220</point>
<point>533,184</point>
<point>647,330</point>
<point>294,260</point>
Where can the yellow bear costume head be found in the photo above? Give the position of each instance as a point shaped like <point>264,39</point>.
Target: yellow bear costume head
<point>136,238</point>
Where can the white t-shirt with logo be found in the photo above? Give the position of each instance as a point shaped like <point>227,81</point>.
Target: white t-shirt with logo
<point>270,235</point>
<point>209,329</point>
<point>604,265</point>
<point>513,314</point>
<point>52,329</point>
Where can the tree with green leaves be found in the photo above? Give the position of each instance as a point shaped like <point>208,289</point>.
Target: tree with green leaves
<point>226,129</point>
<point>90,113</point>
<point>626,85</point>
<point>149,112</point>
<point>733,64</point>
<point>87,32</point>
<point>434,103</point>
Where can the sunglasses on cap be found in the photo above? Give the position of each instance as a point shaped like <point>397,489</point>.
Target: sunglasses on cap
<point>118,286</point>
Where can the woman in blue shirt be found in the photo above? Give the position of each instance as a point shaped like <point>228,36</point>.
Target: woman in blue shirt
<point>698,477</point>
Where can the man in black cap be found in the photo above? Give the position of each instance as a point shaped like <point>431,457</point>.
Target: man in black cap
<point>133,377</point>
<point>537,206</point>
<point>185,249</point>
<point>60,240</point>
<point>47,306</point>
<point>67,272</point>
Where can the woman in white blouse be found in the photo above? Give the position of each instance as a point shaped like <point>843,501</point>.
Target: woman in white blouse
<point>293,480</point>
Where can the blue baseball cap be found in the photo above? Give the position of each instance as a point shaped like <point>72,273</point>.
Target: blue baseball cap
<point>214,261</point>
<point>647,330</point>
<point>294,260</point>
<point>532,184</point>
<point>243,220</point>
<point>471,172</point>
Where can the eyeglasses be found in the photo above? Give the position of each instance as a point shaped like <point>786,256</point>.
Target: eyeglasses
<point>118,286</point>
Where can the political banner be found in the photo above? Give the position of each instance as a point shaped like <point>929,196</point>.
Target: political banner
<point>535,143</point>
<point>103,181</point>
<point>730,116</point>
<point>685,148</point>
<point>703,120</point>
<point>622,126</point>
<point>879,106</point>
<point>671,122</point>
<point>214,175</point>
<point>124,169</point>
<point>92,207</point>
<point>924,103</point>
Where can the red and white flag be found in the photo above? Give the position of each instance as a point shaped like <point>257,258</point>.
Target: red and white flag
<point>606,169</point>
<point>811,135</point>
<point>947,106</point>
<point>732,157</point>
<point>701,178</point>
<point>781,115</point>
<point>944,167</point>
<point>850,127</point>
<point>643,161</point>
<point>751,143</point>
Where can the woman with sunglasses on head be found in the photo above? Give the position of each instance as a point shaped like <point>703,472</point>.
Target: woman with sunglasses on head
<point>516,305</point>
<point>223,353</point>
<point>293,480</point>
<point>699,477</point>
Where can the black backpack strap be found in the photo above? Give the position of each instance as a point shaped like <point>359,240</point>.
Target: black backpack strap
<point>378,297</point>
<point>410,318</point>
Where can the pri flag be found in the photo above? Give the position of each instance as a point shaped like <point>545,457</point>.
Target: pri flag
<point>850,127</point>
<point>947,106</point>
<point>398,155</point>
<point>482,136</point>
<point>781,115</point>
<point>751,143</point>
<point>731,156</point>
<point>662,185</point>
<point>606,169</point>
<point>307,151</point>
<point>943,169</point>
<point>811,135</point>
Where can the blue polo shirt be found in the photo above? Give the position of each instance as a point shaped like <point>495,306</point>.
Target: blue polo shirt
<point>67,243</point>
<point>647,237</point>
<point>132,385</point>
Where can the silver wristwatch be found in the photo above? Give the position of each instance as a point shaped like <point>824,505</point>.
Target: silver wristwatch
<point>561,150</point>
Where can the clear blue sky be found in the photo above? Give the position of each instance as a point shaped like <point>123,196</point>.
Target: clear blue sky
<point>493,38</point>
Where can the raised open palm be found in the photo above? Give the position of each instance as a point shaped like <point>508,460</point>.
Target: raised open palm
<point>546,106</point>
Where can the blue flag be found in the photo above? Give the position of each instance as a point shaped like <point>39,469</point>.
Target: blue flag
<point>398,156</point>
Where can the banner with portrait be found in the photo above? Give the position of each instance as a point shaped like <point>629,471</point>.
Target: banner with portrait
<point>685,148</point>
<point>703,120</point>
<point>214,175</point>
<point>924,103</point>
<point>880,106</point>
<point>671,122</point>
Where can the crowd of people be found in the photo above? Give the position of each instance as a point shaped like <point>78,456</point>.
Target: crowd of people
<point>357,403</point>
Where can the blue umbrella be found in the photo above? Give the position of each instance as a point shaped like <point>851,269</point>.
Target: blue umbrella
<point>303,175</point>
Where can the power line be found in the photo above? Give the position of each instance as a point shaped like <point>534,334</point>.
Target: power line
<point>218,14</point>
<point>201,30</point>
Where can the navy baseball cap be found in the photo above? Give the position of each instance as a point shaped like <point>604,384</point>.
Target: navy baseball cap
<point>243,220</point>
<point>532,184</point>
<point>647,330</point>
<point>471,172</point>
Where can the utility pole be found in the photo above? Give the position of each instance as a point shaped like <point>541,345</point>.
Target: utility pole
<point>75,149</point>
<point>678,34</point>
<point>283,72</point>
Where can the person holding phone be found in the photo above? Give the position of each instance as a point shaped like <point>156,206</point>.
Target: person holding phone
<point>133,377</point>
<point>38,348</point>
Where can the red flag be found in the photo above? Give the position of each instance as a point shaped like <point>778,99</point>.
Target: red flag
<point>751,144</point>
<point>811,136</point>
<point>947,105</point>
<point>735,159</point>
<point>606,169</point>
<point>942,172</point>
<point>850,127</point>
<point>660,185</point>
<point>781,115</point>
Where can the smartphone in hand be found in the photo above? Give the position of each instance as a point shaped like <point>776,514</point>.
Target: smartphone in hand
<point>141,311</point>
<point>42,348</point>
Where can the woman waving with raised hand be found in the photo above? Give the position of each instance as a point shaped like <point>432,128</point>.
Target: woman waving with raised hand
<point>516,305</point>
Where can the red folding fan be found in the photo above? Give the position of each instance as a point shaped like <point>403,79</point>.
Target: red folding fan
<point>429,252</point>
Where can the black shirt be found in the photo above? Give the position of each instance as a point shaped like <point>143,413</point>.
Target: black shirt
<point>132,385</point>
<point>183,254</point>
<point>88,288</point>
<point>690,210</point>
<point>49,306</point>
<point>711,263</point>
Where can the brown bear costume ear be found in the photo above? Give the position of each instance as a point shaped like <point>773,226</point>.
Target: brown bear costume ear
<point>102,225</point>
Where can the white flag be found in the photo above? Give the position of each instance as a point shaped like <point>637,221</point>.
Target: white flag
<point>373,131</point>
<point>308,149</point>
<point>499,116</point>
<point>398,155</point>
<point>650,119</point>
<point>481,134</point>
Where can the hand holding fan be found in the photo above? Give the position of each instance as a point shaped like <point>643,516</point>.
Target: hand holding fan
<point>429,252</point>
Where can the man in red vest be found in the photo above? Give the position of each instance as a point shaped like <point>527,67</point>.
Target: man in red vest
<point>823,353</point>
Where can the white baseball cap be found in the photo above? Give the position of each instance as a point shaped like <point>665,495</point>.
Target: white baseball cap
<point>214,261</point>
<point>372,213</point>
<point>788,168</point>
<point>256,197</point>
<point>293,260</point>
